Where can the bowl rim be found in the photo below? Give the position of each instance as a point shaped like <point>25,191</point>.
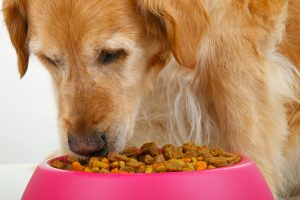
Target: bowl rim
<point>245,162</point>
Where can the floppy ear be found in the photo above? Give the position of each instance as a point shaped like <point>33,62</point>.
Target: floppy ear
<point>267,8</point>
<point>15,16</point>
<point>180,22</point>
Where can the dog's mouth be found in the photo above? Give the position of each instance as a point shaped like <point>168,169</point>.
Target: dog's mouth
<point>92,148</point>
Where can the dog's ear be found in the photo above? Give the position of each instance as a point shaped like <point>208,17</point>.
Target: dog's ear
<point>270,12</point>
<point>267,8</point>
<point>15,16</point>
<point>270,15</point>
<point>180,23</point>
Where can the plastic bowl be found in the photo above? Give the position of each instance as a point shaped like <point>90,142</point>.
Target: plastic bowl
<point>241,181</point>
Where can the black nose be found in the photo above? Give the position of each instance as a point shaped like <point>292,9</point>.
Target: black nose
<point>92,144</point>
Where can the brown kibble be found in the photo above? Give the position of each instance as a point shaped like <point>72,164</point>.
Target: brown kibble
<point>189,154</point>
<point>141,169</point>
<point>105,171</point>
<point>173,167</point>
<point>211,167</point>
<point>189,147</point>
<point>95,169</point>
<point>147,159</point>
<point>159,159</point>
<point>114,156</point>
<point>217,161</point>
<point>131,152</point>
<point>57,164</point>
<point>186,160</point>
<point>160,168</point>
<point>188,157</point>
<point>172,152</point>
<point>127,169</point>
<point>134,164</point>
<point>215,152</point>
<point>150,148</point>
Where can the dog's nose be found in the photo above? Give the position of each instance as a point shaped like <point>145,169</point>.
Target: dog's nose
<point>93,144</point>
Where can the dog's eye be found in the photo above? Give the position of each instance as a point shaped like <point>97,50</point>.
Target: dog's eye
<point>107,57</point>
<point>50,61</point>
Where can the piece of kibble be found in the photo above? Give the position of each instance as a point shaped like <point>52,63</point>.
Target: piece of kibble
<point>186,169</point>
<point>173,167</point>
<point>127,169</point>
<point>150,148</point>
<point>71,159</point>
<point>161,168</point>
<point>105,171</point>
<point>190,165</point>
<point>86,169</point>
<point>57,164</point>
<point>201,165</point>
<point>189,154</point>
<point>159,159</point>
<point>100,164</point>
<point>186,160</point>
<point>134,164</point>
<point>172,152</point>
<point>215,152</point>
<point>149,170</point>
<point>217,161</point>
<point>115,171</point>
<point>114,156</point>
<point>141,169</point>
<point>131,152</point>
<point>68,166</point>
<point>122,163</point>
<point>76,166</point>
<point>227,154</point>
<point>199,158</point>
<point>180,162</point>
<point>105,160</point>
<point>95,169</point>
<point>188,147</point>
<point>115,164</point>
<point>211,167</point>
<point>92,159</point>
<point>147,159</point>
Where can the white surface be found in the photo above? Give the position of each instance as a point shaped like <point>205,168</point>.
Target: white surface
<point>14,179</point>
<point>28,127</point>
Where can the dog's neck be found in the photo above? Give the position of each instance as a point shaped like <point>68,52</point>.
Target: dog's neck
<point>171,113</point>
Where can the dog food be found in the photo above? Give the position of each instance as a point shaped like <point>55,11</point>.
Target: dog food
<point>151,159</point>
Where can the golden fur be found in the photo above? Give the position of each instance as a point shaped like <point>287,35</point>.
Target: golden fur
<point>218,72</point>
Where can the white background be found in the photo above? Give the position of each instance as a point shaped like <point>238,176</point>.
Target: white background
<point>28,125</point>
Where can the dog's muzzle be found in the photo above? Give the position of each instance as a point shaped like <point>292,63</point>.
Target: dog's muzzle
<point>92,144</point>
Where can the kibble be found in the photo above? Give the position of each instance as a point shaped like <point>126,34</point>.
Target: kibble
<point>150,159</point>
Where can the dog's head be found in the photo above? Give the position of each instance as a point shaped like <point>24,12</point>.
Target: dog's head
<point>103,55</point>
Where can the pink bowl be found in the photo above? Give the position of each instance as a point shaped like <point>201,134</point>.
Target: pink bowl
<point>242,181</point>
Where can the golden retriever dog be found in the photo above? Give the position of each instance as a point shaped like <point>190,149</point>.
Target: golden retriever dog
<point>217,72</point>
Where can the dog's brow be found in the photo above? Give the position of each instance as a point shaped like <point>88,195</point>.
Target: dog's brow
<point>35,46</point>
<point>120,41</point>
